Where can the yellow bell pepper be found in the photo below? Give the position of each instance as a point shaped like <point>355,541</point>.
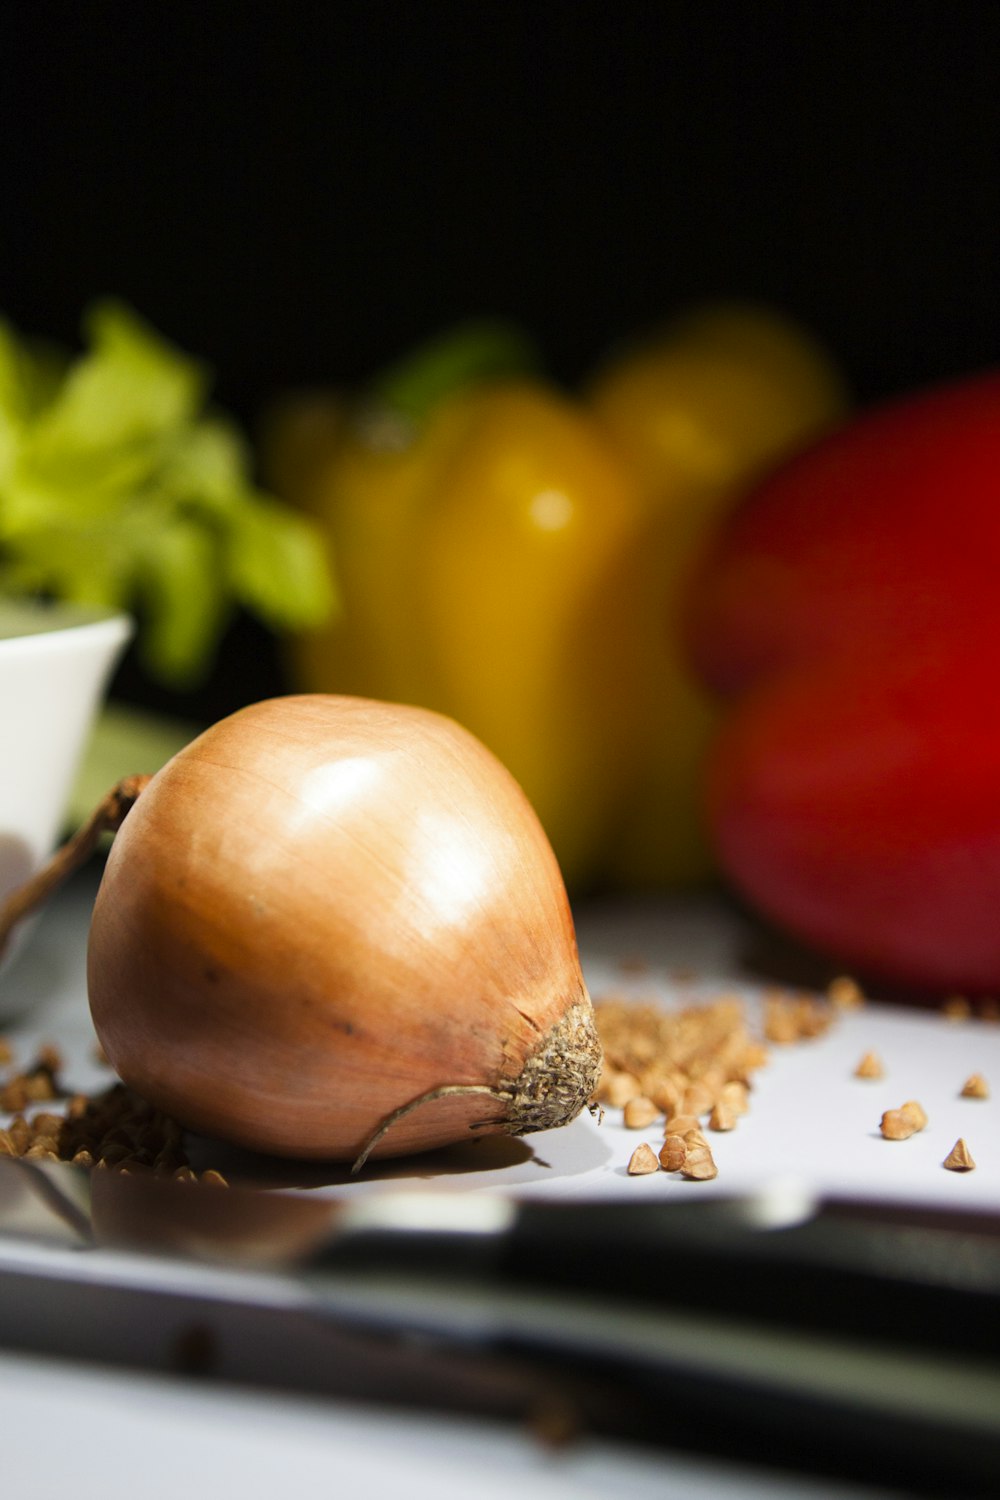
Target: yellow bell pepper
<point>484,554</point>
<point>516,558</point>
<point>700,411</point>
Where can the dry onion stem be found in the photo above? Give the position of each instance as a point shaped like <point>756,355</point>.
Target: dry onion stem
<point>107,817</point>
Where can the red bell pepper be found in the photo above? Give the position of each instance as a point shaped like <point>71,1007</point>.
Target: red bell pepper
<point>850,610</point>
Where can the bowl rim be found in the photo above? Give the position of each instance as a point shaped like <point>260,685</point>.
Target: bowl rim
<point>29,626</point>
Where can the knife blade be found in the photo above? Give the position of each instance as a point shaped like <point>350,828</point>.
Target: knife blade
<point>822,1335</point>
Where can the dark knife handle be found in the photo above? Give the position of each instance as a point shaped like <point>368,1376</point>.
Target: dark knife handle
<point>928,1281</point>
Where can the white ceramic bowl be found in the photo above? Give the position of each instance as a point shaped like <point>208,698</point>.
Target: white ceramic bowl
<point>55,665</point>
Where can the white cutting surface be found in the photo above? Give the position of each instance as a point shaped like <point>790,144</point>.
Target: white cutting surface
<point>811,1122</point>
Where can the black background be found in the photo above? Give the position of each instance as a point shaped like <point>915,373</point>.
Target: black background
<point>298,192</point>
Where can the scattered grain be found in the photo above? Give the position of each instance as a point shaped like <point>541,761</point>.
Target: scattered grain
<point>42,1148</point>
<point>666,1092</point>
<point>697,1100</point>
<point>113,1153</point>
<point>673,1153</point>
<point>642,1161</point>
<point>975,1087</point>
<point>701,1058</point>
<point>915,1112</point>
<point>845,993</point>
<point>792,1018</point>
<point>113,1130</point>
<point>699,1163</point>
<point>616,1088</point>
<point>555,1421</point>
<point>49,1059</point>
<point>959,1158</point>
<point>870,1066</point>
<point>36,1083</point>
<point>639,1112</point>
<point>637,1036</point>
<point>711,1078</point>
<point>895,1127</point>
<point>694,1063</point>
<point>735,1096</point>
<point>957,1008</point>
<point>900,1124</point>
<point>13,1096</point>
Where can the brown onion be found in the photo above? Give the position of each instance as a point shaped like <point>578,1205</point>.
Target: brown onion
<point>331,926</point>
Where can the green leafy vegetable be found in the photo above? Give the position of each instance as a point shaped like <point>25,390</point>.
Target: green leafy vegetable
<point>118,488</point>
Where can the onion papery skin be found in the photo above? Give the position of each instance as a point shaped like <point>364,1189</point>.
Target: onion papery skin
<point>324,908</point>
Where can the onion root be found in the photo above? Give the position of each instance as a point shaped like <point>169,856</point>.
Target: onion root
<point>556,1082</point>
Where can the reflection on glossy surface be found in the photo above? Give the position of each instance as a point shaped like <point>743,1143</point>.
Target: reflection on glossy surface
<point>450,864</point>
<point>37,1207</point>
<point>235,1225</point>
<point>337,787</point>
<point>551,510</point>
